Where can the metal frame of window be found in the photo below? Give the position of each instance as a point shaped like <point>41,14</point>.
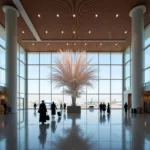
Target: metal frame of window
<point>86,94</point>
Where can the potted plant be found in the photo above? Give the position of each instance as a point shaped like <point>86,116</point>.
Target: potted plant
<point>73,72</point>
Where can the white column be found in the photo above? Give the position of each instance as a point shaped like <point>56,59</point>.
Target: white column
<point>11,15</point>
<point>137,15</point>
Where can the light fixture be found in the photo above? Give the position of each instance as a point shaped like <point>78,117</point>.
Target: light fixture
<point>74,15</point>
<point>57,15</point>
<point>100,44</point>
<point>74,32</point>
<point>67,44</point>
<point>89,32</point>
<point>116,44</point>
<point>33,44</point>
<point>46,31</point>
<point>85,44</point>
<point>62,32</point>
<point>96,15</point>
<point>125,32</point>
<point>48,44</point>
<point>74,43</point>
<point>117,15</point>
<point>39,15</point>
<point>23,32</point>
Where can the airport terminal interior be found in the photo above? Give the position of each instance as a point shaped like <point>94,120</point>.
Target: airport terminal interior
<point>115,39</point>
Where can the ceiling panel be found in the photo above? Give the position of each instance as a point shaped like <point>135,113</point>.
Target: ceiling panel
<point>104,27</point>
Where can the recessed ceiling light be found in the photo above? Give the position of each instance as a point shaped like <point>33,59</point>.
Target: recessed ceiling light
<point>57,15</point>
<point>23,32</point>
<point>100,44</point>
<point>89,32</point>
<point>116,44</point>
<point>125,32</point>
<point>74,43</point>
<point>67,44</point>
<point>74,32</point>
<point>96,15</point>
<point>85,44</point>
<point>33,44</point>
<point>117,15</point>
<point>48,44</point>
<point>39,15</point>
<point>62,32</point>
<point>74,15</point>
<point>46,31</point>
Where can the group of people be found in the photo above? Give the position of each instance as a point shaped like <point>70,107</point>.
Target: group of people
<point>61,106</point>
<point>102,107</point>
<point>43,110</point>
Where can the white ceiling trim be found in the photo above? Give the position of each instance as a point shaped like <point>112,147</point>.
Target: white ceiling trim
<point>77,41</point>
<point>26,19</point>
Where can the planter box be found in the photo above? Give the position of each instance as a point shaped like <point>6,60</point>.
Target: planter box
<point>74,109</point>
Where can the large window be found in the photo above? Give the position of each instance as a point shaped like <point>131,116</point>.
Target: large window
<point>147,57</point>
<point>127,69</point>
<point>21,71</point>
<point>2,63</point>
<point>21,77</point>
<point>107,87</point>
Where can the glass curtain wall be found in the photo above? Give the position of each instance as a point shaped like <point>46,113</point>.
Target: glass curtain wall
<point>107,87</point>
<point>2,62</point>
<point>147,57</point>
<point>21,77</point>
<point>128,60</point>
<point>21,71</point>
<point>127,69</point>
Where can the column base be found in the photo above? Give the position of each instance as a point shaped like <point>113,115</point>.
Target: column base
<point>137,110</point>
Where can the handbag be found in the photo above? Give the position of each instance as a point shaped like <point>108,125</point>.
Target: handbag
<point>47,117</point>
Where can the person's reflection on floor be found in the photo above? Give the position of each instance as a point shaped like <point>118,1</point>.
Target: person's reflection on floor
<point>104,118</point>
<point>35,113</point>
<point>59,119</point>
<point>125,120</point>
<point>53,125</point>
<point>64,115</point>
<point>101,118</point>
<point>108,117</point>
<point>43,134</point>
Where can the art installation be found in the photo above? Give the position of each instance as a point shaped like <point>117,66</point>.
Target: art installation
<point>74,72</point>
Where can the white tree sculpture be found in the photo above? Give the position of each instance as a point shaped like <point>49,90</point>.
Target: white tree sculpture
<point>73,72</point>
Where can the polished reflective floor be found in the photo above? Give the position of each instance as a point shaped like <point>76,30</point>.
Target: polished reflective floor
<point>88,131</point>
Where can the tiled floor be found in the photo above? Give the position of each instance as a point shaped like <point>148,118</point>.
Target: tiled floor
<point>90,131</point>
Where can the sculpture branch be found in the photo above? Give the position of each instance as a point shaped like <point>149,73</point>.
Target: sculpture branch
<point>73,71</point>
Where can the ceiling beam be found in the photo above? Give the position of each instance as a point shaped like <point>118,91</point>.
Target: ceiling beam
<point>77,41</point>
<point>26,19</point>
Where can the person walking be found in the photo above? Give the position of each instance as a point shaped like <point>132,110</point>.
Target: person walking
<point>61,106</point>
<point>108,108</point>
<point>35,105</point>
<point>101,107</point>
<point>64,106</point>
<point>126,107</point>
<point>42,110</point>
<point>5,107</point>
<point>53,109</point>
<point>104,107</point>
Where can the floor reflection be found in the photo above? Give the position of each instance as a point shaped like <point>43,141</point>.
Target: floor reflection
<point>90,131</point>
<point>43,133</point>
<point>75,139</point>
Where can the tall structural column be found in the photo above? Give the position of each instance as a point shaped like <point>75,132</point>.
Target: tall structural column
<point>137,15</point>
<point>11,15</point>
